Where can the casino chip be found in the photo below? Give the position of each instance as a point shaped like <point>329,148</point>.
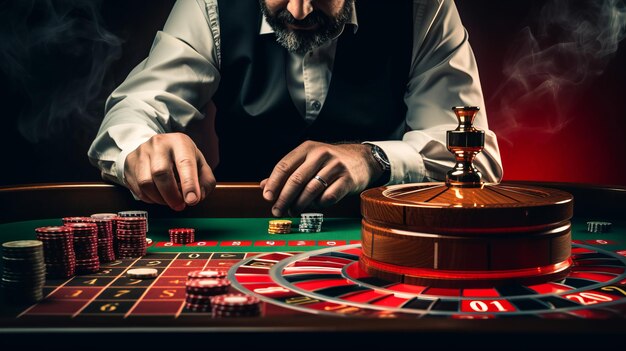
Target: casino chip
<point>182,235</point>
<point>142,273</point>
<point>214,274</point>
<point>104,215</point>
<point>279,226</point>
<point>24,272</point>
<point>599,227</point>
<point>311,222</point>
<point>235,305</point>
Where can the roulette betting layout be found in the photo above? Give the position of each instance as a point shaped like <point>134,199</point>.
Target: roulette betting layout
<point>313,282</point>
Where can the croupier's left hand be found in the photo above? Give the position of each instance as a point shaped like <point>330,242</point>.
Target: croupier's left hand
<point>319,175</point>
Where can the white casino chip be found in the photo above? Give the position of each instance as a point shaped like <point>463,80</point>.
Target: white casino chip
<point>142,273</point>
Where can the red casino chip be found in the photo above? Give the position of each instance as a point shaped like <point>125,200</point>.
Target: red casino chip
<point>83,229</point>
<point>131,221</point>
<point>235,301</point>
<point>197,307</point>
<point>220,314</point>
<point>207,287</point>
<point>214,274</point>
<point>235,305</point>
<point>198,299</point>
<point>67,220</point>
<point>53,230</point>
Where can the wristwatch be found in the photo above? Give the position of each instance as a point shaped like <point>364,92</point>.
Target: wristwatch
<point>381,157</point>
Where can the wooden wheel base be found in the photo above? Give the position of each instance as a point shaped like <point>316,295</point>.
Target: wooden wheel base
<point>436,235</point>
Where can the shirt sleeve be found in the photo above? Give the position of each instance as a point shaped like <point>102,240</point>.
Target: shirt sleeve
<point>165,92</point>
<point>443,74</point>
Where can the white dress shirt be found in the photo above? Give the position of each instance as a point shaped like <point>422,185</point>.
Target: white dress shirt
<point>167,91</point>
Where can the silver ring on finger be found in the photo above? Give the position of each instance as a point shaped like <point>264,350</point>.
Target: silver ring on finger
<point>321,180</point>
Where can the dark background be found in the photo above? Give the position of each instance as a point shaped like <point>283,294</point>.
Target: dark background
<point>553,74</point>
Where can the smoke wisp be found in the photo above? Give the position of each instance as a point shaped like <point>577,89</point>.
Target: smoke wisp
<point>568,43</point>
<point>54,55</point>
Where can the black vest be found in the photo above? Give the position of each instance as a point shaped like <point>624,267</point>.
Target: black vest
<point>257,123</point>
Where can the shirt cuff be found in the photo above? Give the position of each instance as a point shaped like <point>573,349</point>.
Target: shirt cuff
<point>407,166</point>
<point>120,161</point>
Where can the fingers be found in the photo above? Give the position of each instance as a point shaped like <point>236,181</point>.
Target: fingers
<point>283,170</point>
<point>139,179</point>
<point>296,183</point>
<point>185,161</point>
<point>331,195</point>
<point>205,175</point>
<point>169,169</point>
<point>316,187</point>
<point>343,169</point>
<point>262,183</point>
<point>165,182</point>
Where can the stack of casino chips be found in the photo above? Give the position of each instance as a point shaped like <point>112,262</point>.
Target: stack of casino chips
<point>106,251</point>
<point>201,286</point>
<point>24,272</point>
<point>130,235</point>
<point>182,235</point>
<point>311,222</point>
<point>279,226</point>
<point>134,213</point>
<point>85,247</point>
<point>58,248</point>
<point>235,305</point>
<point>105,244</point>
<point>599,226</point>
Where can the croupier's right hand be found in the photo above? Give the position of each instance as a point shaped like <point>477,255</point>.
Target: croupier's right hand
<point>168,169</point>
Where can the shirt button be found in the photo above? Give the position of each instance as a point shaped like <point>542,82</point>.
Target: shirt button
<point>316,105</point>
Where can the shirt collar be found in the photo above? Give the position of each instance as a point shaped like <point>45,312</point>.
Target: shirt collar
<point>267,29</point>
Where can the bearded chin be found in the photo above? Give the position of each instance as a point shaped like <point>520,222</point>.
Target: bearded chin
<point>300,43</point>
<point>303,41</point>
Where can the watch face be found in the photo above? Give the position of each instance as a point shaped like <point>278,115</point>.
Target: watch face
<point>381,157</point>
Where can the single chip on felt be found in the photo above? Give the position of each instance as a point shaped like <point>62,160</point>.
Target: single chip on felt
<point>142,273</point>
<point>207,274</point>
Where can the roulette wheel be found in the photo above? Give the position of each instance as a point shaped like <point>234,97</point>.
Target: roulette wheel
<point>463,232</point>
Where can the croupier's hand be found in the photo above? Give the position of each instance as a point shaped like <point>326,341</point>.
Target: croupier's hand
<point>319,175</point>
<point>169,170</point>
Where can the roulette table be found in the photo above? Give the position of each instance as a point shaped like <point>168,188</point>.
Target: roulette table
<point>312,291</point>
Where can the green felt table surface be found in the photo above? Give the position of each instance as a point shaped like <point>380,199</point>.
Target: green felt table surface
<point>255,229</point>
<point>215,229</point>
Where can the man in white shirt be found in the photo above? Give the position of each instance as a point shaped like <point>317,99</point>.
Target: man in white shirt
<point>318,98</point>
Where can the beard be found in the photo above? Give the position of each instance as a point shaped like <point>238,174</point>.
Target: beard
<point>302,41</point>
